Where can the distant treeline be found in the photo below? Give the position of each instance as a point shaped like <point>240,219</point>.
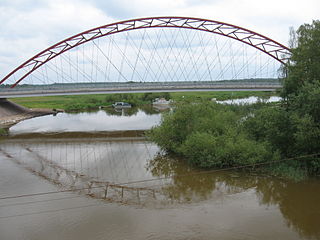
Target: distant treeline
<point>104,84</point>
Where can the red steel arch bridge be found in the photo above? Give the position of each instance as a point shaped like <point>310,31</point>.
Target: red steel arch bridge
<point>151,54</point>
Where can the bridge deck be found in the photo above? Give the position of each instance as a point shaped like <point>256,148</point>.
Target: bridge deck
<point>96,88</point>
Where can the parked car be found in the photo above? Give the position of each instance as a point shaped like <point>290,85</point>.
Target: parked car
<point>121,105</point>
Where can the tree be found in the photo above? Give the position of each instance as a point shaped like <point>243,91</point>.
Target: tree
<point>304,64</point>
<point>302,92</point>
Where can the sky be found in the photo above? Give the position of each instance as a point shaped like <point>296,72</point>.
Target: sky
<point>29,26</point>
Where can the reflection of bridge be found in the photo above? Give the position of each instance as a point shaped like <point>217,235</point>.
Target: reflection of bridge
<point>115,166</point>
<point>161,54</point>
<point>93,164</point>
<point>254,190</point>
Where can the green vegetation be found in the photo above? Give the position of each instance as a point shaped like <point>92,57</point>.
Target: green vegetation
<point>58,102</point>
<point>220,96</point>
<point>209,135</point>
<point>83,102</point>
<point>3,132</point>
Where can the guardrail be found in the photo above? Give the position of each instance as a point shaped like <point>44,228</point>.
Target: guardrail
<point>97,88</point>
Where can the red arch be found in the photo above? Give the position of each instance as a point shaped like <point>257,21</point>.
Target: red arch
<point>256,40</point>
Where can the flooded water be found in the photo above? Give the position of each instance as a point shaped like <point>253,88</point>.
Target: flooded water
<point>251,100</point>
<point>102,120</point>
<point>124,187</point>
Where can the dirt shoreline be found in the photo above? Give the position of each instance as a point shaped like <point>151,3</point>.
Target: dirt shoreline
<point>8,121</point>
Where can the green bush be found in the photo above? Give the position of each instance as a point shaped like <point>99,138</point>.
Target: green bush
<point>273,125</point>
<point>210,135</point>
<point>208,151</point>
<point>149,97</point>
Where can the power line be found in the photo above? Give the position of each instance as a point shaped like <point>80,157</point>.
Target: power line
<point>221,170</point>
<point>147,180</point>
<point>40,201</point>
<point>47,193</point>
<point>49,211</point>
<point>161,178</point>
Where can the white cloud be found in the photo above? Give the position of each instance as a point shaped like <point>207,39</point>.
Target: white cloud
<point>28,26</point>
<point>24,33</point>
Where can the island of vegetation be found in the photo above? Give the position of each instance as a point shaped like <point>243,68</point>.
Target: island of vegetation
<point>286,135</point>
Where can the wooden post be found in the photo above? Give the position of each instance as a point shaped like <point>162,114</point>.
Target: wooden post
<point>122,193</point>
<point>138,194</point>
<point>154,194</point>
<point>106,191</point>
<point>89,187</point>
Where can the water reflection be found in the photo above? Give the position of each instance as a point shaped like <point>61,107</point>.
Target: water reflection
<point>122,111</point>
<point>297,201</point>
<point>94,160</point>
<point>107,119</point>
<point>147,109</point>
<point>189,184</point>
<point>116,158</point>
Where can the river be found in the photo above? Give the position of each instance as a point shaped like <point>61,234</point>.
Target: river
<point>125,187</point>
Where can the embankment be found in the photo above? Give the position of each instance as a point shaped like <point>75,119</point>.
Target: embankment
<point>12,113</point>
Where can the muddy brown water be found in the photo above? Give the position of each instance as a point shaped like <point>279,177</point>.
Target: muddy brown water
<point>188,204</point>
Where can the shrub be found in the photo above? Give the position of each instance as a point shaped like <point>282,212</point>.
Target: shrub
<point>210,135</point>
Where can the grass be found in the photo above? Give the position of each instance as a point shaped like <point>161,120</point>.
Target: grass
<point>220,96</point>
<point>59,102</point>
<point>90,101</point>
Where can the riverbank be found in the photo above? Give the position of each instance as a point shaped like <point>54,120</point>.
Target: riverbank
<point>83,102</point>
<point>12,113</point>
<point>7,121</point>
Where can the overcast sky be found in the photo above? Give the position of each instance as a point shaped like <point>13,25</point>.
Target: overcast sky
<point>29,26</point>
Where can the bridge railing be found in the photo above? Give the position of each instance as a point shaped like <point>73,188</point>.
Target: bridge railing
<point>113,87</point>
